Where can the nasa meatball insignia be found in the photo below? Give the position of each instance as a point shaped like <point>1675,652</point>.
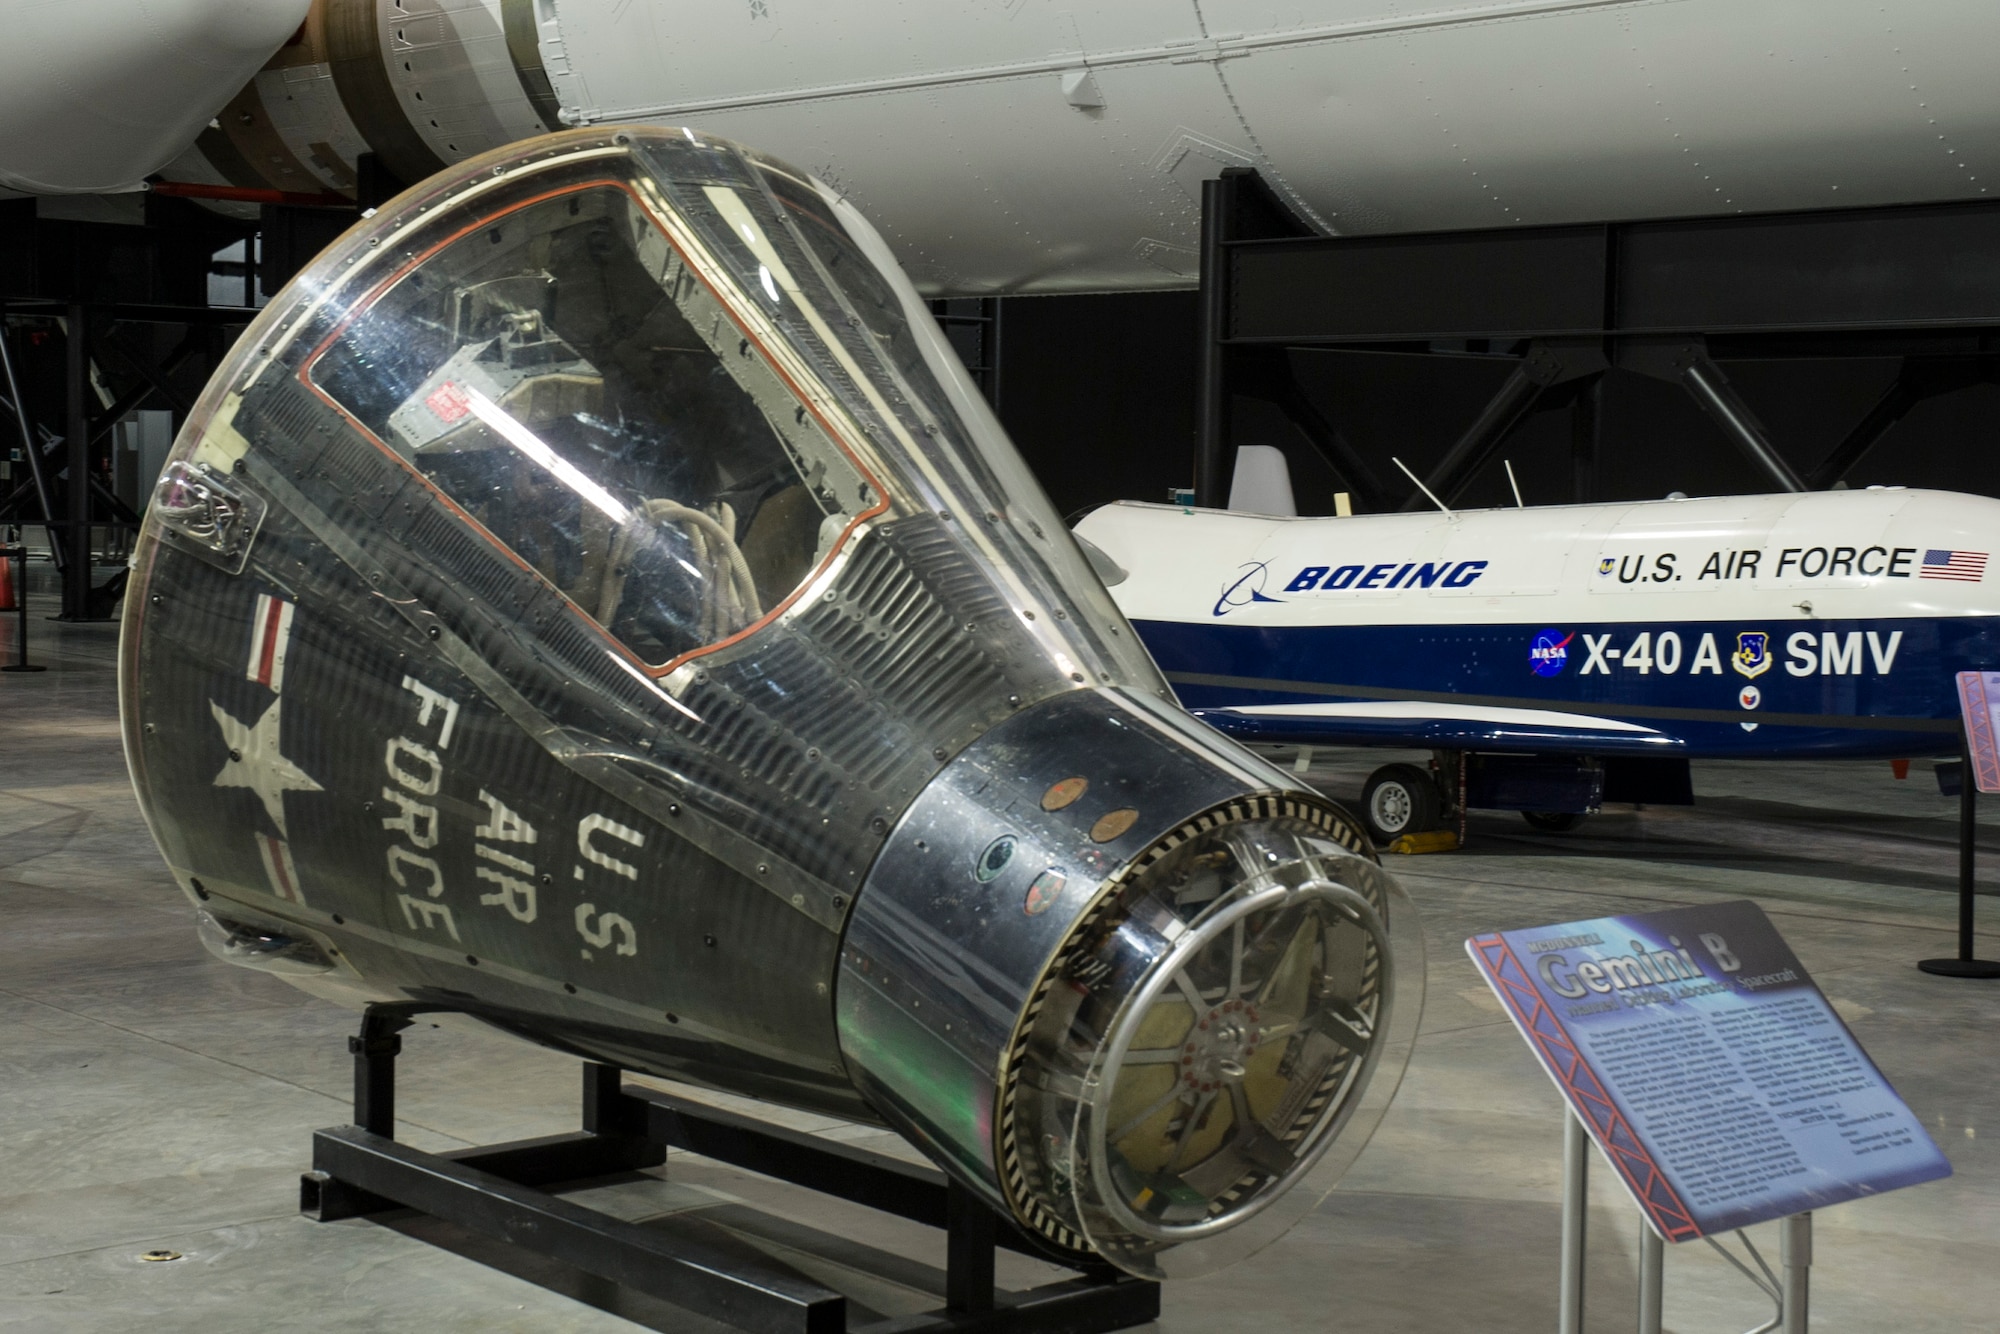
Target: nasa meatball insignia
<point>1549,652</point>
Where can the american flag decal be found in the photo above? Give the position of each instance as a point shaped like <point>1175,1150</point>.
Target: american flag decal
<point>278,865</point>
<point>1967,567</point>
<point>270,633</point>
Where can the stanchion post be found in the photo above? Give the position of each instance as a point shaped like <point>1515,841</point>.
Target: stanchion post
<point>18,571</point>
<point>1575,1216</point>
<point>1967,964</point>
<point>1795,1262</point>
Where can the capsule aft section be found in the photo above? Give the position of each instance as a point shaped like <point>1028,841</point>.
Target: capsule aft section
<point>592,598</point>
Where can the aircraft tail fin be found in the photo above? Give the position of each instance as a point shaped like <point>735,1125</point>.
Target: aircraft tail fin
<point>1263,482</point>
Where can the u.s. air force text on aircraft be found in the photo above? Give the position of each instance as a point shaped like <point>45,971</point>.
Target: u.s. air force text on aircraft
<point>1666,567</point>
<point>1662,567</point>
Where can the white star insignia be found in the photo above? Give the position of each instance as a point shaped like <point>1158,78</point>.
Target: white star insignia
<point>255,762</point>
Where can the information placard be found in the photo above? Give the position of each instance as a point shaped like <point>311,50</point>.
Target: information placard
<point>1978,702</point>
<point>1706,1065</point>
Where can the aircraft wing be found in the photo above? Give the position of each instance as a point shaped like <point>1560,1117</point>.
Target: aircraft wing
<point>1422,724</point>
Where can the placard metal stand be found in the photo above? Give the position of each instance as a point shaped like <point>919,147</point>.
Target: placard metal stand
<point>1788,1293</point>
<point>1978,731</point>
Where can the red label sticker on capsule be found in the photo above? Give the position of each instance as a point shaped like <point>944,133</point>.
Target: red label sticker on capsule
<point>448,401</point>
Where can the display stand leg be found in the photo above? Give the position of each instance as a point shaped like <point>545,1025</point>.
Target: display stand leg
<point>1575,1217</point>
<point>1652,1275</point>
<point>1795,1262</point>
<point>375,1052</point>
<point>1966,964</point>
<point>1787,1293</point>
<point>498,1191</point>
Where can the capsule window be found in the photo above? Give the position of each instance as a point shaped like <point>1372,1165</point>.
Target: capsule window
<point>580,389</point>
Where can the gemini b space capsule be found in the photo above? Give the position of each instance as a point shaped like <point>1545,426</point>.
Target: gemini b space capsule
<point>592,598</point>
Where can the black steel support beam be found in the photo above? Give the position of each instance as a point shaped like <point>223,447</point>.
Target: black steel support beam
<point>1917,379</point>
<point>1214,455</point>
<point>131,312</point>
<point>969,1242</point>
<point>1889,409</point>
<point>1717,397</point>
<point>745,1291</point>
<point>132,399</point>
<point>493,1191</point>
<point>1544,365</point>
<point>907,1190</point>
<point>1469,453</point>
<point>30,447</point>
<point>982,359</point>
<point>1236,207</point>
<point>374,1053</point>
<point>1585,410</point>
<point>1920,270</point>
<point>76,599</point>
<point>1686,362</point>
<point>157,382</point>
<point>1267,374</point>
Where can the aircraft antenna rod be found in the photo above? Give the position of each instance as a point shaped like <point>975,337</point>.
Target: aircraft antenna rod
<point>1508,464</point>
<point>1420,485</point>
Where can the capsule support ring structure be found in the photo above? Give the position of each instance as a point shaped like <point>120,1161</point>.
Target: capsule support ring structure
<point>1145,1073</point>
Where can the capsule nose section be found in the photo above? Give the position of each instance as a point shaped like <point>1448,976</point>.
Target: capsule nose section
<point>1129,984</point>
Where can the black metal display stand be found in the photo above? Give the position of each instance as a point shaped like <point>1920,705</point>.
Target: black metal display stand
<point>1965,965</point>
<point>494,1191</point>
<point>18,569</point>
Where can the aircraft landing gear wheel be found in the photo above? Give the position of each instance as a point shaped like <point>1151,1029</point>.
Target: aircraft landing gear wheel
<point>1399,799</point>
<point>1552,822</point>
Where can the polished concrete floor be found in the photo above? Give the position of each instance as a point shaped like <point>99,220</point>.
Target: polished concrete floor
<point>152,1098</point>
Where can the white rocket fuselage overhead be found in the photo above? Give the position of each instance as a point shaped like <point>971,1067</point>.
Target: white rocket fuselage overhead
<point>96,94</point>
<point>1025,145</point>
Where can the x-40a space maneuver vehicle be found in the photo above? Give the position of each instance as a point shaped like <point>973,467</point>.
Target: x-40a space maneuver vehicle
<point>592,598</point>
<point>1555,657</point>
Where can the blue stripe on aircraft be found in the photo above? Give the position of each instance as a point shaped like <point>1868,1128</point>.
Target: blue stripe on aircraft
<point>1828,690</point>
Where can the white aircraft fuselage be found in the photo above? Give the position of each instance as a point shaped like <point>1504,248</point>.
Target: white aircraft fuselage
<point>1828,624</point>
<point>1046,146</point>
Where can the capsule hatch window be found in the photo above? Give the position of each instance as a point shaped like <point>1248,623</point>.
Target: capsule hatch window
<point>579,390</point>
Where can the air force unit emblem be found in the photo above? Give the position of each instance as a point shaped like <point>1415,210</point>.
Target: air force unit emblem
<point>1753,653</point>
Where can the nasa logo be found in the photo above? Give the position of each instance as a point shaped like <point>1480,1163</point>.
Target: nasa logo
<point>1753,654</point>
<point>1750,697</point>
<point>1549,652</point>
<point>1605,567</point>
<point>1248,587</point>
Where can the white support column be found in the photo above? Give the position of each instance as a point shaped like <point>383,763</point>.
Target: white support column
<point>1652,1270</point>
<point>1575,1216</point>
<point>1795,1262</point>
